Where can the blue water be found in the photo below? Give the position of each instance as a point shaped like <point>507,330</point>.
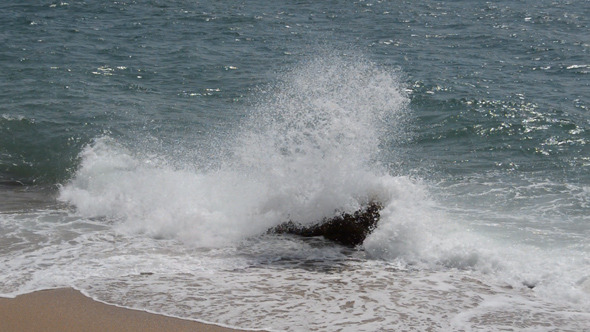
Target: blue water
<point>145,148</point>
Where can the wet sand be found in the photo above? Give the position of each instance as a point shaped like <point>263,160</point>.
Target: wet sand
<point>67,310</point>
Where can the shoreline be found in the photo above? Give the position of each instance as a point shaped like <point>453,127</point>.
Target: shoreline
<point>67,309</point>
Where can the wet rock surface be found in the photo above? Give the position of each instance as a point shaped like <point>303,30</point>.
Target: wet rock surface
<point>346,229</point>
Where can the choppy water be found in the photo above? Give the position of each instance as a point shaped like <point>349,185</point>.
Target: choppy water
<point>145,149</point>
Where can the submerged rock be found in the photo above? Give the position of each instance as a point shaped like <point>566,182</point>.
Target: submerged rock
<point>347,229</point>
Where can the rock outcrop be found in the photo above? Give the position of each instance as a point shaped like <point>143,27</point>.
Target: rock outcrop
<point>346,229</point>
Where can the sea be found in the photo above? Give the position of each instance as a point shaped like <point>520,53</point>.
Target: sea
<point>147,147</point>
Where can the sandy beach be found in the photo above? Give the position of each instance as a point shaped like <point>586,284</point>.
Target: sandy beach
<point>67,309</point>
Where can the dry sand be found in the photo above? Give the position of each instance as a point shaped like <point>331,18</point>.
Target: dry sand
<point>64,310</point>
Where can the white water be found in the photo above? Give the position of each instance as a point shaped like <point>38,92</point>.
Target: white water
<point>188,241</point>
<point>307,151</point>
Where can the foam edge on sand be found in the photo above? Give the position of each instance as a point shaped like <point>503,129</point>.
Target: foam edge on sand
<point>67,309</point>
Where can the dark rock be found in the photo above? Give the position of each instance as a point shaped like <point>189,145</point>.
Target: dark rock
<point>347,229</point>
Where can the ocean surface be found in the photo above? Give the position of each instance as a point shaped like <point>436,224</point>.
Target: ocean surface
<point>146,147</point>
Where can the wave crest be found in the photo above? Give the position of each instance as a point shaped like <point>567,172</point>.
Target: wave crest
<point>309,149</point>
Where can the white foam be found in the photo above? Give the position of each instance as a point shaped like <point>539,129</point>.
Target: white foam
<point>310,148</point>
<point>306,151</point>
<point>276,283</point>
<point>10,117</point>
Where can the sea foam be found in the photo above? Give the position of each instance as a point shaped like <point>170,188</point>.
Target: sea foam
<point>309,148</point>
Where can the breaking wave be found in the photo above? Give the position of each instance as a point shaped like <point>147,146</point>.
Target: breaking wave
<point>308,149</point>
